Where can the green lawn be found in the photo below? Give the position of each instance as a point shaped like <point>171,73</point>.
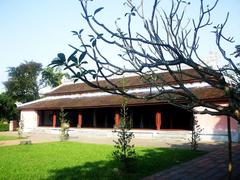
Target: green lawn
<point>73,160</point>
<point>5,138</point>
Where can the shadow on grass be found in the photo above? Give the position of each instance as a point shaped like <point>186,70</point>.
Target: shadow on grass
<point>89,170</point>
<point>149,161</point>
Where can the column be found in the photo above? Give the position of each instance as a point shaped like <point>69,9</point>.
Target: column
<point>117,119</point>
<point>38,118</point>
<point>94,119</point>
<point>105,120</point>
<point>131,119</point>
<point>79,125</point>
<point>158,120</point>
<point>54,119</point>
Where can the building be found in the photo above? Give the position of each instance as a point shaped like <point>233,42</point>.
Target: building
<point>93,111</point>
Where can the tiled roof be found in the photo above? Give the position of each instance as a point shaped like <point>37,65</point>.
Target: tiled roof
<point>131,82</point>
<point>204,93</point>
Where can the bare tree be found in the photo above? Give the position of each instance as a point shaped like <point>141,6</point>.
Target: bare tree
<point>168,41</point>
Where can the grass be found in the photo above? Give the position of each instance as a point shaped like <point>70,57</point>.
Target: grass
<point>6,138</point>
<point>73,160</point>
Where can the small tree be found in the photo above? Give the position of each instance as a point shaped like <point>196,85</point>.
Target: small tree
<point>64,125</point>
<point>124,151</point>
<point>196,131</point>
<point>20,128</point>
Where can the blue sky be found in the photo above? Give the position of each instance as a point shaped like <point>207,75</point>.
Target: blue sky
<point>39,29</point>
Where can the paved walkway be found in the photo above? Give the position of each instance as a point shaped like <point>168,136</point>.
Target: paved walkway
<point>150,142</point>
<point>210,166</point>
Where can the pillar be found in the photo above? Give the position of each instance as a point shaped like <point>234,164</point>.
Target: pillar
<point>158,120</point>
<point>117,119</point>
<point>105,121</point>
<point>38,118</point>
<point>54,119</point>
<point>13,125</point>
<point>79,125</point>
<point>94,119</point>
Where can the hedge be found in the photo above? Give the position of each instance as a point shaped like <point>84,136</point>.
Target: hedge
<point>4,127</point>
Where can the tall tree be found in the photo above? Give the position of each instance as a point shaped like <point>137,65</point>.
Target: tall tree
<point>22,84</point>
<point>52,77</point>
<point>167,41</point>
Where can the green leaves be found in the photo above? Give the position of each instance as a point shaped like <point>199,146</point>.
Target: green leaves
<point>73,58</point>
<point>59,60</point>
<point>81,57</point>
<point>75,33</point>
<point>80,31</point>
<point>94,42</point>
<point>94,39</point>
<point>61,57</point>
<point>22,84</point>
<point>98,10</point>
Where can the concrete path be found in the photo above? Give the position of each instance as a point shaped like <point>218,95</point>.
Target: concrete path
<point>210,166</point>
<point>33,137</point>
<point>149,142</point>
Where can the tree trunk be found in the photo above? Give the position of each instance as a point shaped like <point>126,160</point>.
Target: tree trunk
<point>229,148</point>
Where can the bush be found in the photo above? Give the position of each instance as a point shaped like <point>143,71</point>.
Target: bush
<point>4,127</point>
<point>124,152</point>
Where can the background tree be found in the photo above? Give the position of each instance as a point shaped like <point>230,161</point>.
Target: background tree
<point>7,107</point>
<point>22,84</point>
<point>52,77</point>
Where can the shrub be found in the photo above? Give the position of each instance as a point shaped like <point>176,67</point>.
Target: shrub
<point>124,152</point>
<point>64,125</point>
<point>196,132</point>
<point>4,127</point>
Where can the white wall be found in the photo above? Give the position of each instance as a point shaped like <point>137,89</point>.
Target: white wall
<point>215,127</point>
<point>30,120</point>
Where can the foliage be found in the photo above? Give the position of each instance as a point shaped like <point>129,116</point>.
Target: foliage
<point>73,160</point>
<point>7,107</point>
<point>149,50</point>
<point>4,126</point>
<point>196,131</point>
<point>22,84</point>
<point>124,151</point>
<point>237,52</point>
<point>52,77</point>
<point>64,124</point>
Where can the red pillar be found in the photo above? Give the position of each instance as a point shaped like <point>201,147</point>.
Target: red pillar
<point>158,120</point>
<point>79,125</point>
<point>117,119</point>
<point>54,119</point>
